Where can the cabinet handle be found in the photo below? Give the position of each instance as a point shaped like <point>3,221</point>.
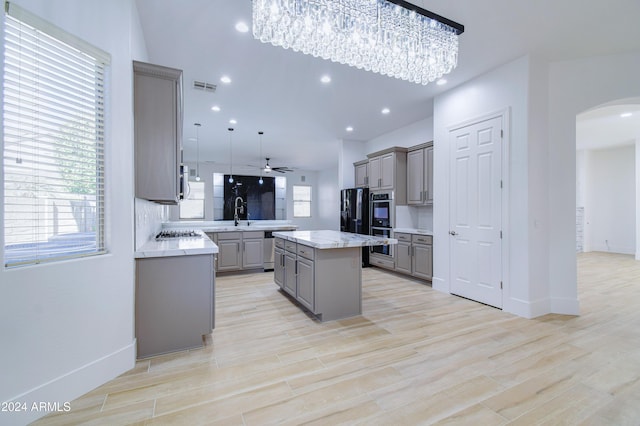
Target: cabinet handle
<point>409,251</point>
<point>296,269</point>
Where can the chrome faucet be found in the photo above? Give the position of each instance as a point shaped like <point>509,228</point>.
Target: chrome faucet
<point>238,207</point>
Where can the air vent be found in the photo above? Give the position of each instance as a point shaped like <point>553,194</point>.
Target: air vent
<point>202,85</point>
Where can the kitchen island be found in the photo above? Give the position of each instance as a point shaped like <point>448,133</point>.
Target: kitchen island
<point>322,270</point>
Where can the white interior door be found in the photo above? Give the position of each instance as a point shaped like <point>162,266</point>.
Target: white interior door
<point>476,211</point>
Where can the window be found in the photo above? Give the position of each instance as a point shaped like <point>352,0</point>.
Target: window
<point>301,201</point>
<point>53,117</point>
<point>192,207</point>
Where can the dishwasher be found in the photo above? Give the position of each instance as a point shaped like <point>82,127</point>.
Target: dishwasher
<point>267,259</point>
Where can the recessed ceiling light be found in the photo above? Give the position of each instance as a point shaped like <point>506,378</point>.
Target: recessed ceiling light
<point>225,79</point>
<point>242,27</point>
<point>233,121</point>
<point>626,114</point>
<point>386,111</point>
<point>349,129</point>
<point>441,81</point>
<point>325,79</point>
<point>215,108</point>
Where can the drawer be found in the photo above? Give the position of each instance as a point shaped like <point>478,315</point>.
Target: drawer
<point>306,251</point>
<point>421,239</point>
<point>229,236</point>
<point>402,237</point>
<point>278,242</point>
<point>383,263</point>
<point>212,235</point>
<point>253,234</point>
<point>289,246</point>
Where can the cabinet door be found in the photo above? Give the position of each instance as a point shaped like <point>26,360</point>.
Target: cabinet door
<point>403,257</point>
<point>428,175</point>
<point>278,266</point>
<point>158,132</point>
<point>290,273</point>
<point>362,174</point>
<point>423,261</point>
<point>387,171</point>
<point>375,177</point>
<point>228,255</point>
<point>306,283</point>
<point>252,253</point>
<point>415,177</point>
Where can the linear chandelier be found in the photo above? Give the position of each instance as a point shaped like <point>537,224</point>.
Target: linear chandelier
<point>389,37</point>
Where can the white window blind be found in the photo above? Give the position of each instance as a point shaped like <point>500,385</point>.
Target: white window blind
<point>301,201</point>
<point>53,123</point>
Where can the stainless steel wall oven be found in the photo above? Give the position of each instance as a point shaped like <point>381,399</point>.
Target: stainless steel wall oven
<point>382,211</point>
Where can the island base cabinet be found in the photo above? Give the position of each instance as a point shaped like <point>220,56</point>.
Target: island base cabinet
<point>305,283</point>
<point>174,304</point>
<point>290,274</point>
<point>278,266</point>
<point>338,283</point>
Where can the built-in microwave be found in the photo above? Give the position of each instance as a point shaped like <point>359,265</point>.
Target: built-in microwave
<point>385,233</point>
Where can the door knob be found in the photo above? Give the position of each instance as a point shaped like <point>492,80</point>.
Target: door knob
<point>454,233</point>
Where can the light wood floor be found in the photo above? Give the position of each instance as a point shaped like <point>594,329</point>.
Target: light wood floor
<point>416,356</point>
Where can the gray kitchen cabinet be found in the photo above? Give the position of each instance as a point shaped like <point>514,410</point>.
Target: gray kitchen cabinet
<point>388,171</point>
<point>361,169</point>
<point>403,253</point>
<point>305,283</point>
<point>422,261</point>
<point>420,174</point>
<point>252,249</point>
<point>174,303</point>
<point>239,250</point>
<point>229,255</point>
<point>290,273</point>
<point>278,262</point>
<point>158,119</point>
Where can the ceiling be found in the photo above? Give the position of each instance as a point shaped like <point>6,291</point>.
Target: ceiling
<point>609,125</point>
<point>279,92</point>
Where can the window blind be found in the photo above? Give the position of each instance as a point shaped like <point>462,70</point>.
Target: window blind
<point>53,124</point>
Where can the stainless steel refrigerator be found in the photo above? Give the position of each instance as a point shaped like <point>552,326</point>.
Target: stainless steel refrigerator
<point>354,215</point>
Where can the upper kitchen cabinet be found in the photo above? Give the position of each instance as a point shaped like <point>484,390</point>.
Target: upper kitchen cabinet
<point>420,174</point>
<point>361,169</point>
<point>388,171</point>
<point>158,132</point>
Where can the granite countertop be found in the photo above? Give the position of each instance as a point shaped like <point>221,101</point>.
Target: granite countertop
<point>176,247</point>
<point>228,226</point>
<point>413,231</point>
<point>325,239</point>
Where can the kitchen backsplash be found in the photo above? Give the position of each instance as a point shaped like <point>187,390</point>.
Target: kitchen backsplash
<point>149,218</point>
<point>414,217</point>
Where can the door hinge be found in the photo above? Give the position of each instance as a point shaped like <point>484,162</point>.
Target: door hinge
<point>500,234</point>
<point>501,184</point>
<point>500,285</point>
<point>502,133</point>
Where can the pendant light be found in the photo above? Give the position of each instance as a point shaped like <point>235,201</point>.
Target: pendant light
<point>260,181</point>
<point>197,125</point>
<point>230,156</point>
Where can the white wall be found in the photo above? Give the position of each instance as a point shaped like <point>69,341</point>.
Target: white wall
<point>350,152</point>
<point>69,327</point>
<point>505,88</point>
<point>574,87</point>
<point>328,200</point>
<point>413,134</point>
<point>610,212</point>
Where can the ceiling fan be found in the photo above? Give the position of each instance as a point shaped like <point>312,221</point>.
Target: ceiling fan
<point>268,169</point>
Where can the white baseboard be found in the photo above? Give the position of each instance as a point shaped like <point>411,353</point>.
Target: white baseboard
<point>56,394</point>
<point>565,306</point>
<point>440,285</point>
<point>541,307</point>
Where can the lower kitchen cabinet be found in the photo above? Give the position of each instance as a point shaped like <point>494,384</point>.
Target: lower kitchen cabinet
<point>422,261</point>
<point>414,255</point>
<point>305,283</point>
<point>174,303</point>
<point>278,265</point>
<point>239,250</point>
<point>290,273</point>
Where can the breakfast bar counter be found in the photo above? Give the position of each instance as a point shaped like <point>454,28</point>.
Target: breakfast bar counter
<point>322,270</point>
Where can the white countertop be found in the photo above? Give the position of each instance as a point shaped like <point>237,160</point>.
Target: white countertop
<point>325,239</point>
<point>176,247</point>
<point>413,231</point>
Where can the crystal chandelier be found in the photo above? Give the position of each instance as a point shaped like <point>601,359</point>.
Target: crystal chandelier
<point>390,37</point>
